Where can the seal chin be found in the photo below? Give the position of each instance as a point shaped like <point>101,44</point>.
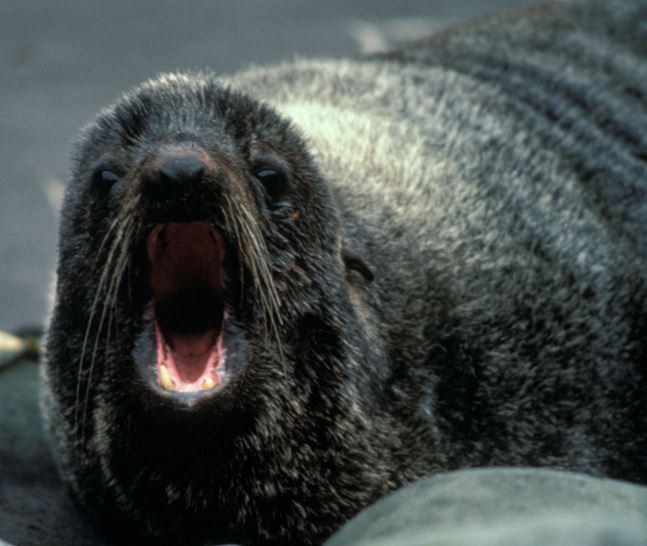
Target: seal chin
<point>184,354</point>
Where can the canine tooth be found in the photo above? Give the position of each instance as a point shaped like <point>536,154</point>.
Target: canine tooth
<point>165,378</point>
<point>208,383</point>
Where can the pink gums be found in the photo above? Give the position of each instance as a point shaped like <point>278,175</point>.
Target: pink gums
<point>166,356</point>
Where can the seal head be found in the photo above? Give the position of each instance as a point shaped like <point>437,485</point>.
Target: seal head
<point>203,351</point>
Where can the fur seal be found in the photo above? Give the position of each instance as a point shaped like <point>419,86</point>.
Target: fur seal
<point>283,294</point>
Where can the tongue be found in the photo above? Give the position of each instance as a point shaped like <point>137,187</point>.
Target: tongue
<point>191,353</point>
<point>192,345</point>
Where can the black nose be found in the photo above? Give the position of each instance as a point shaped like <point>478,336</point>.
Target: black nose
<point>176,175</point>
<point>182,169</point>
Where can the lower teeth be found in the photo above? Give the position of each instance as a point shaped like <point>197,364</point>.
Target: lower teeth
<point>167,383</point>
<point>165,379</point>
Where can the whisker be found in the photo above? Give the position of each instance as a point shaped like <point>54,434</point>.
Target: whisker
<point>108,307</point>
<point>107,287</point>
<point>93,309</point>
<point>254,252</point>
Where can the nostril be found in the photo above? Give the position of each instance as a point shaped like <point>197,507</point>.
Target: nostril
<point>182,169</point>
<point>174,183</point>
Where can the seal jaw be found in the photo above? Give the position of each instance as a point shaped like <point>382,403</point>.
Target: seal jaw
<point>187,307</point>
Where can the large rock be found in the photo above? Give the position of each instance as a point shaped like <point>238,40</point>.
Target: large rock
<point>34,506</point>
<point>501,507</point>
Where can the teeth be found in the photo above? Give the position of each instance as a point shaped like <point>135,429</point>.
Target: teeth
<point>165,379</point>
<point>208,383</point>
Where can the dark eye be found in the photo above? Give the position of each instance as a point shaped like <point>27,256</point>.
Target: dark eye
<point>104,180</point>
<point>274,182</point>
<point>108,177</point>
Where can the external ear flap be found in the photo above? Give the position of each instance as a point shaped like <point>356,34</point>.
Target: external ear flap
<point>356,263</point>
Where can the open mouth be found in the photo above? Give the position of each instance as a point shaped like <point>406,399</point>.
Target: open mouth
<point>188,305</point>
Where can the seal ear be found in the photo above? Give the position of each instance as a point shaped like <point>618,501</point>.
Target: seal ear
<point>357,263</point>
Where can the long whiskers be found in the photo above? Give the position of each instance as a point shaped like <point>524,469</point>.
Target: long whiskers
<point>117,257</point>
<point>254,253</point>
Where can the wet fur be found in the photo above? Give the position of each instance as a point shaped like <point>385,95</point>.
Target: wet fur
<point>461,277</point>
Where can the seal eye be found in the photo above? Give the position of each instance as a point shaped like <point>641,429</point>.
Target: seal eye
<point>274,182</point>
<point>108,177</point>
<point>104,180</point>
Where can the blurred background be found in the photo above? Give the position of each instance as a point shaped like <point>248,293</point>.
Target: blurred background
<point>62,61</point>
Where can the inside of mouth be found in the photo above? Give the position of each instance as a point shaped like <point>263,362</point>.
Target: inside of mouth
<point>187,282</point>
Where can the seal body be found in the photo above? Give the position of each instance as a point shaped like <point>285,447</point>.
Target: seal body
<point>283,294</point>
